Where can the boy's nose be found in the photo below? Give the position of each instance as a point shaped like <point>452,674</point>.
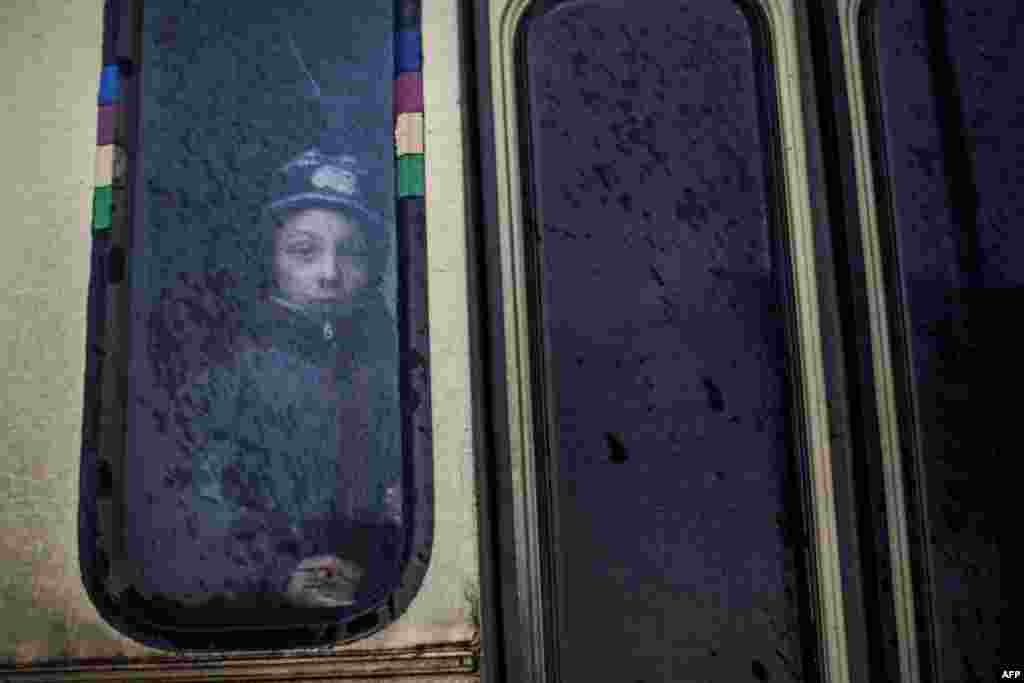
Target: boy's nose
<point>329,274</point>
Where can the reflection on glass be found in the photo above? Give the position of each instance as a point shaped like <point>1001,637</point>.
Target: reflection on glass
<point>264,455</point>
<point>284,435</point>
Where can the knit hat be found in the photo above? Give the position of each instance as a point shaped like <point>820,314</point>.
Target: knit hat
<point>318,180</point>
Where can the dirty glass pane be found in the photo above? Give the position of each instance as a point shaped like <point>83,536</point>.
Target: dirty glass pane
<point>950,127</point>
<point>263,462</point>
<point>659,268</point>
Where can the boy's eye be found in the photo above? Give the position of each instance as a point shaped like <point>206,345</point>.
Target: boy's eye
<point>302,250</point>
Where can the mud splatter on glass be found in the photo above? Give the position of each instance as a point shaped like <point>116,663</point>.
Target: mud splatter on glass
<point>181,545</point>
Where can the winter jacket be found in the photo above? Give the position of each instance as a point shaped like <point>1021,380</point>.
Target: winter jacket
<point>293,446</point>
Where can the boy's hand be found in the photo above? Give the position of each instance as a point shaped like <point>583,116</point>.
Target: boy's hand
<point>324,581</point>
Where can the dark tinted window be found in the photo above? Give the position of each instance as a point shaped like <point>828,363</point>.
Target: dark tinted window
<point>658,269</point>
<point>949,126</point>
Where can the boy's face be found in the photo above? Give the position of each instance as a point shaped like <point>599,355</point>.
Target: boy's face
<point>320,258</point>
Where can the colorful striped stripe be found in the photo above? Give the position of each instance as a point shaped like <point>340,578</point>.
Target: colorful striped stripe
<point>408,101</point>
<point>409,134</point>
<point>411,179</point>
<point>107,124</point>
<point>408,50</point>
<point>110,157</point>
<point>110,85</point>
<point>408,93</point>
<point>102,208</point>
<point>110,166</point>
